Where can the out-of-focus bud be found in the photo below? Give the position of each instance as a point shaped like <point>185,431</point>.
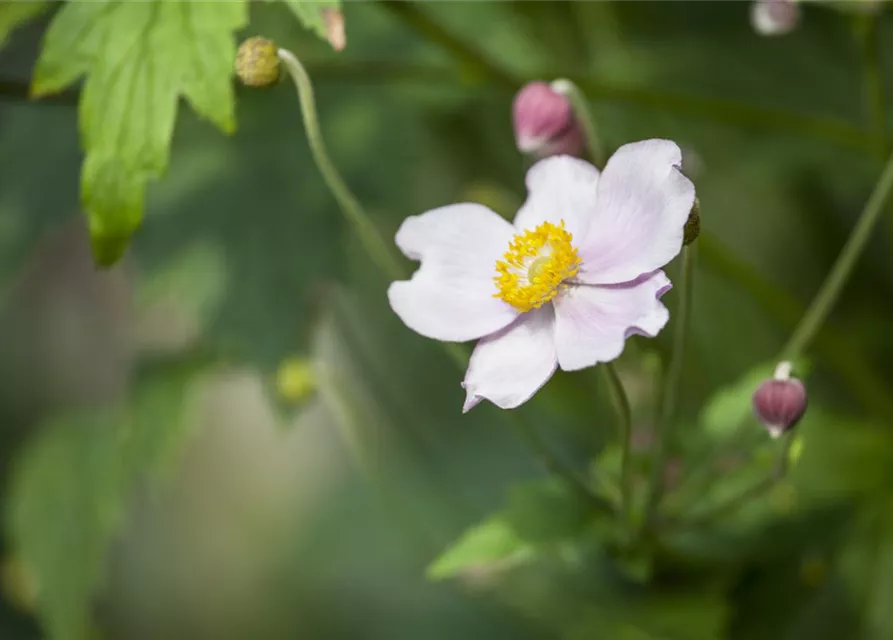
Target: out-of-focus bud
<point>779,403</point>
<point>774,17</point>
<point>544,122</point>
<point>296,379</point>
<point>257,62</point>
<point>693,224</point>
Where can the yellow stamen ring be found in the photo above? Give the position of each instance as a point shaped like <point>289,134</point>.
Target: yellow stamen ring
<point>536,266</point>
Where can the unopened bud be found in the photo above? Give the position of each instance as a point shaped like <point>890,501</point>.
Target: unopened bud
<point>774,17</point>
<point>544,122</point>
<point>693,224</point>
<point>257,62</point>
<point>780,402</point>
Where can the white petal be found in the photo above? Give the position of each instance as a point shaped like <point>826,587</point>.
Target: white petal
<point>560,188</point>
<point>508,367</point>
<point>642,205</point>
<point>450,297</point>
<point>592,323</point>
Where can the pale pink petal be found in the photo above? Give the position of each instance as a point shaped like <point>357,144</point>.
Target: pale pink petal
<point>560,188</point>
<point>508,367</point>
<point>593,322</point>
<point>642,205</point>
<point>450,297</point>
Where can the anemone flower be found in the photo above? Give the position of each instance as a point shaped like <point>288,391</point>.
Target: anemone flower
<point>577,273</point>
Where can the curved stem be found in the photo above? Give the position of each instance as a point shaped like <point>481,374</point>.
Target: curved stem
<point>624,413</point>
<point>584,117</point>
<point>368,234</point>
<point>669,397</point>
<point>830,290</point>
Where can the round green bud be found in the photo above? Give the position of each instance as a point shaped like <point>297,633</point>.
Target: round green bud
<point>693,224</point>
<point>257,62</point>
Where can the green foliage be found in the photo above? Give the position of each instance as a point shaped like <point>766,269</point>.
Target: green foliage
<point>139,59</point>
<point>72,486</point>
<point>541,516</point>
<point>493,543</point>
<point>15,13</point>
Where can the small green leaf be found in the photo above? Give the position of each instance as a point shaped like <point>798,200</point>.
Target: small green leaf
<point>493,542</point>
<point>139,58</point>
<point>14,14</point>
<point>70,491</point>
<point>312,14</point>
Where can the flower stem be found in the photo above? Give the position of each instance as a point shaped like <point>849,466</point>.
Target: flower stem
<point>584,116</point>
<point>840,272</point>
<point>668,399</point>
<point>624,413</point>
<point>365,229</point>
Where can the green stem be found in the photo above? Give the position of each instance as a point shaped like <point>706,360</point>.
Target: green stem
<point>584,117</point>
<point>624,414</point>
<point>823,302</point>
<point>668,399</point>
<point>840,272</point>
<point>365,229</point>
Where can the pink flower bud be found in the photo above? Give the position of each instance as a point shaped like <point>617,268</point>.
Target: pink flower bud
<point>544,122</point>
<point>774,17</point>
<point>779,403</point>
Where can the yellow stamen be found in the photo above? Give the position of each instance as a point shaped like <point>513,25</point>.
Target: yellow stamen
<point>535,266</point>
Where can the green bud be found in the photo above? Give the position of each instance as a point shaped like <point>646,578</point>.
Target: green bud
<point>257,62</point>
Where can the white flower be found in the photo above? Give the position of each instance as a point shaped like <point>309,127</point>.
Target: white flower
<point>577,273</point>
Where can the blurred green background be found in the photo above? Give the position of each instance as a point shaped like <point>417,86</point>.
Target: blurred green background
<point>170,490</point>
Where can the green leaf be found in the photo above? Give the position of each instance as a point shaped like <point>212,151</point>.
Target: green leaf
<point>13,14</point>
<point>312,14</point>
<point>70,491</point>
<point>139,59</point>
<point>493,542</point>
